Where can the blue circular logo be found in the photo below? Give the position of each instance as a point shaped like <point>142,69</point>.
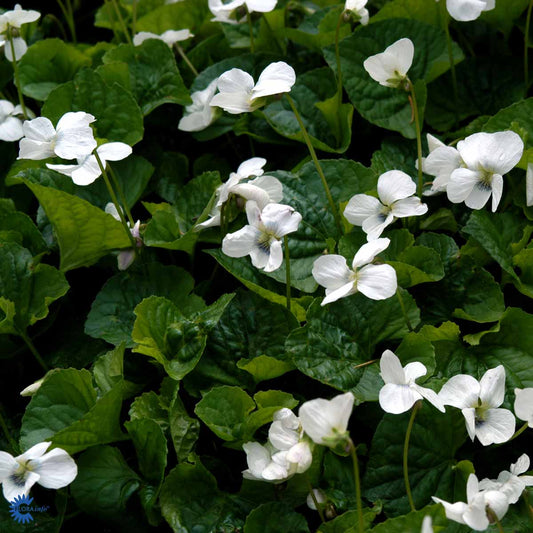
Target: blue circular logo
<point>19,509</point>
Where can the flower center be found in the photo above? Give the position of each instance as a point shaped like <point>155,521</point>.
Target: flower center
<point>19,476</point>
<point>481,414</point>
<point>265,240</point>
<point>485,180</point>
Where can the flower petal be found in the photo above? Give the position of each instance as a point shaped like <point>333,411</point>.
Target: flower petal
<point>332,295</point>
<point>35,452</point>
<point>373,226</point>
<point>396,399</point>
<point>275,79</point>
<point>368,251</point>
<point>11,129</point>
<point>460,391</point>
<point>454,511</point>
<point>331,271</point>
<point>465,10</point>
<point>20,47</point>
<point>470,419</point>
<point>497,190</point>
<point>414,371</point>
<point>523,405</point>
<point>391,369</point>
<point>408,207</point>
<point>492,386</point>
<point>8,465</point>
<point>57,469</point>
<point>462,182</point>
<point>276,256</point>
<point>271,185</point>
<point>430,395</point>
<point>240,243</point>
<point>115,151</point>
<point>377,282</point>
<point>251,167</point>
<point>280,219</point>
<point>498,426</point>
<point>360,207</point>
<point>395,185</point>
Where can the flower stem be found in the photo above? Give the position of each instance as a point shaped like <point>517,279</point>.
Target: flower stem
<point>249,20</point>
<point>33,350</point>
<point>519,431</point>
<point>525,496</point>
<point>287,270</point>
<point>121,22</point>
<point>446,27</point>
<point>404,312</point>
<point>338,57</point>
<point>134,17</point>
<point>63,493</point>
<point>183,55</point>
<point>9,438</point>
<point>493,517</point>
<point>315,501</point>
<point>526,44</point>
<point>16,74</point>
<point>307,139</point>
<point>418,137</point>
<point>355,462</point>
<point>414,410</point>
<point>121,194</point>
<point>115,201</point>
<point>69,17</point>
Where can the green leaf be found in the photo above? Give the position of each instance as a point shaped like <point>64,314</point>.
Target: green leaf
<point>343,335</point>
<point>109,369</point>
<point>7,316</point>
<point>190,499</point>
<point>28,234</point>
<point>111,316</point>
<point>427,12</point>
<point>412,522</point>
<point>185,14</point>
<point>517,117</point>
<point>524,261</point>
<point>104,482</point>
<point>154,78</point>
<point>260,520</point>
<point>184,430</point>
<point>162,331</point>
<point>249,336</point>
<point>47,64</point>
<point>84,232</point>
<point>386,107</point>
<point>118,117</point>
<point>497,233</point>
<point>504,15</point>
<point>435,438</point>
<point>26,289</point>
<point>315,97</point>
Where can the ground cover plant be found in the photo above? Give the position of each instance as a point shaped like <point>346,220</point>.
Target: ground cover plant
<point>266,266</point>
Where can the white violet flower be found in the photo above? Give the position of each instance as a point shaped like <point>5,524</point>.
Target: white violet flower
<point>377,282</point>
<point>326,421</point>
<point>468,10</point>
<point>319,496</point>
<point>511,482</point>
<point>487,157</point>
<point>238,93</point>
<point>389,68</point>
<point>10,124</point>
<point>523,405</point>
<point>427,525</point>
<point>262,190</point>
<point>15,19</point>
<point>400,391</point>
<point>169,37</point>
<point>228,11</point>
<point>479,402</point>
<point>357,7</point>
<point>474,512</point>
<point>72,138</point>
<point>396,200</point>
<point>87,170</point>
<point>261,238</point>
<point>30,390</point>
<point>199,115</point>
<point>52,470</point>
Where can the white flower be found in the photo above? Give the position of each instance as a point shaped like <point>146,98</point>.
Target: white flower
<point>441,162</point>
<point>261,239</point>
<point>227,12</point>
<point>400,391</point>
<point>377,282</point>
<point>262,190</point>
<point>238,93</point>
<point>320,497</point>
<point>15,19</point>
<point>427,525</point>
<point>52,470</point>
<point>389,68</point>
<point>73,138</point>
<point>10,125</point>
<point>200,114</point>
<point>529,185</point>
<point>169,37</point>
<point>30,390</point>
<point>510,482</point>
<point>87,170</point>
<point>125,257</point>
<point>523,405</point>
<point>326,421</point>
<point>479,402</point>
<point>474,513</point>
<point>467,10</point>
<point>357,7</point>
<point>487,157</point>
<point>396,200</point>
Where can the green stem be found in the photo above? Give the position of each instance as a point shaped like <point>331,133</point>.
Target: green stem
<point>249,19</point>
<point>122,196</point>
<point>357,479</point>
<point>24,336</point>
<point>112,19</point>
<point>123,26</point>
<point>418,137</point>
<point>493,517</point>
<point>404,312</point>
<point>69,18</point>
<point>16,74</point>
<point>338,57</point>
<point>14,446</point>
<point>414,410</point>
<point>223,219</point>
<point>115,201</point>
<point>183,55</point>
<point>526,45</point>
<point>134,17</point>
<point>315,501</point>
<point>287,270</point>
<point>446,27</point>
<point>519,431</point>
<point>307,139</point>
<point>525,496</point>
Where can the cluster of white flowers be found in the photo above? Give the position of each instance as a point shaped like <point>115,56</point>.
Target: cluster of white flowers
<point>357,9</point>
<point>11,21</point>
<point>10,123</point>
<point>234,11</point>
